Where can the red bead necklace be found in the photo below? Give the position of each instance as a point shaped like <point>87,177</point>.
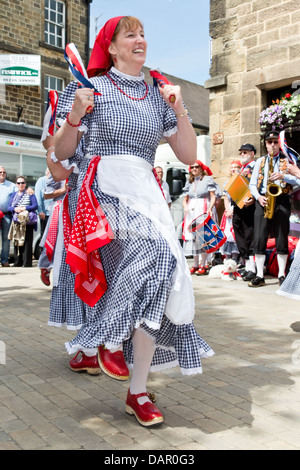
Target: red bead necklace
<point>131,97</point>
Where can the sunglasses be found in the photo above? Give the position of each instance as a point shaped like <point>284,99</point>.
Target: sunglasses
<point>195,166</point>
<point>20,182</point>
<point>4,172</point>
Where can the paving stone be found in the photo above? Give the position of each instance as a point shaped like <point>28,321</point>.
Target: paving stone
<point>246,399</point>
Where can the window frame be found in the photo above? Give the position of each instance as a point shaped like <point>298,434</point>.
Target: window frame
<point>51,24</point>
<point>47,87</point>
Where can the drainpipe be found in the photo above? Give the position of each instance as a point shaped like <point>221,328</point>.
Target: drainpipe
<point>87,44</point>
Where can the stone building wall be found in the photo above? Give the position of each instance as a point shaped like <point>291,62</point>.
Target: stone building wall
<point>22,32</point>
<point>255,48</point>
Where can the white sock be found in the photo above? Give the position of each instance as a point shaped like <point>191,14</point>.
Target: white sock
<point>196,261</point>
<point>203,257</point>
<point>260,263</point>
<point>90,352</point>
<point>282,259</point>
<point>250,264</point>
<point>143,351</point>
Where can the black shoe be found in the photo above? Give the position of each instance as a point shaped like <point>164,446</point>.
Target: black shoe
<point>248,276</point>
<point>281,279</point>
<point>257,282</point>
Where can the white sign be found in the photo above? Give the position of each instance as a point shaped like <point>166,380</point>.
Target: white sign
<point>20,69</point>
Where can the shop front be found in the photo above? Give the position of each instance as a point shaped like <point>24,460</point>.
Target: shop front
<point>22,156</point>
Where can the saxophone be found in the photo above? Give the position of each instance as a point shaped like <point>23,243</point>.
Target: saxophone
<point>273,190</point>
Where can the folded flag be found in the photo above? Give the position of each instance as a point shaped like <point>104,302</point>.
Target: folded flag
<point>290,154</point>
<point>50,115</point>
<point>161,80</point>
<point>76,66</point>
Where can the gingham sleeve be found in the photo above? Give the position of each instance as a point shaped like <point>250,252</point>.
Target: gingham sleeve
<point>66,100</point>
<point>65,104</point>
<point>210,184</point>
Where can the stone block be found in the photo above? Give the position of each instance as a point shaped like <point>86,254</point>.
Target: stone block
<point>266,58</point>
<point>249,120</point>
<point>217,10</point>
<point>222,28</point>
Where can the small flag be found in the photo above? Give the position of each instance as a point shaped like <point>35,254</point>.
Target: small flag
<point>290,154</point>
<point>161,80</point>
<point>49,119</point>
<point>76,66</point>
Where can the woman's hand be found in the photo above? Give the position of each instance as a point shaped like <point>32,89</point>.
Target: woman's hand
<point>20,209</point>
<point>83,101</point>
<point>292,169</point>
<point>173,91</point>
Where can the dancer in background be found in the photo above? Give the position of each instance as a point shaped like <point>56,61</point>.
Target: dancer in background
<point>199,199</point>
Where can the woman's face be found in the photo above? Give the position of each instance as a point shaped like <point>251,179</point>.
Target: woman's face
<point>196,170</point>
<point>234,168</point>
<point>129,48</point>
<point>21,184</point>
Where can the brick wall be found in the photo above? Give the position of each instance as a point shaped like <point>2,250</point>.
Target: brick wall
<point>255,48</point>
<point>22,32</point>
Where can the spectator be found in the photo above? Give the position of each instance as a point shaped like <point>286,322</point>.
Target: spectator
<point>23,208</point>
<point>164,185</point>
<point>7,188</point>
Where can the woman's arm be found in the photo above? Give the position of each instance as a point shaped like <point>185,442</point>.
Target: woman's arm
<point>183,142</point>
<point>68,137</point>
<point>33,204</point>
<point>58,172</point>
<point>56,192</point>
<point>185,202</point>
<point>212,201</point>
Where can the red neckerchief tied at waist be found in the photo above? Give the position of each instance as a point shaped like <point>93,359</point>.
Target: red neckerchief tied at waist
<point>90,231</point>
<point>52,232</point>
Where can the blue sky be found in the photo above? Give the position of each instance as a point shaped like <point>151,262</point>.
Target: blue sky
<point>176,32</point>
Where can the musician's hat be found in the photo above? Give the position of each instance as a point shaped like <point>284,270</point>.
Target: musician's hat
<point>248,147</point>
<point>272,135</point>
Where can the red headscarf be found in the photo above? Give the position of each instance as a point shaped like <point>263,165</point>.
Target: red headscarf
<point>236,162</point>
<point>204,167</point>
<point>100,57</point>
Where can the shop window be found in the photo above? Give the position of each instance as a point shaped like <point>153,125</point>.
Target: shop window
<point>33,168</point>
<point>11,163</point>
<point>52,83</point>
<point>55,23</point>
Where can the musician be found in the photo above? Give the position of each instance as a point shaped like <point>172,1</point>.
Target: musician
<point>278,225</point>
<point>243,219</point>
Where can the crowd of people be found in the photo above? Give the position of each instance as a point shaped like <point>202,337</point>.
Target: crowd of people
<point>21,207</point>
<point>118,269</point>
<point>263,215</point>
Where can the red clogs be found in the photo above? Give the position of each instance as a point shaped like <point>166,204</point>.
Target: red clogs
<point>201,271</point>
<point>147,414</point>
<point>81,363</point>
<point>113,364</point>
<point>45,276</point>
<point>193,270</point>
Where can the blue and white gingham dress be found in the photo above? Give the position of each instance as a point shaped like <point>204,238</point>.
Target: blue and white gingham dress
<point>139,267</point>
<point>291,285</point>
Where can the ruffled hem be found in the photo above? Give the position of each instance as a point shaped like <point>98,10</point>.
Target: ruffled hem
<point>288,295</point>
<point>65,325</point>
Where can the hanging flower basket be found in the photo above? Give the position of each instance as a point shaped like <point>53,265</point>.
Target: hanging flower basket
<point>283,114</point>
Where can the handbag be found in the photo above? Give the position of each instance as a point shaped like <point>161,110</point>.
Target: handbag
<point>32,217</point>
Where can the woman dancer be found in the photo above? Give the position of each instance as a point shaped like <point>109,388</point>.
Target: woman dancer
<point>291,285</point>
<point>139,303</point>
<point>199,199</point>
